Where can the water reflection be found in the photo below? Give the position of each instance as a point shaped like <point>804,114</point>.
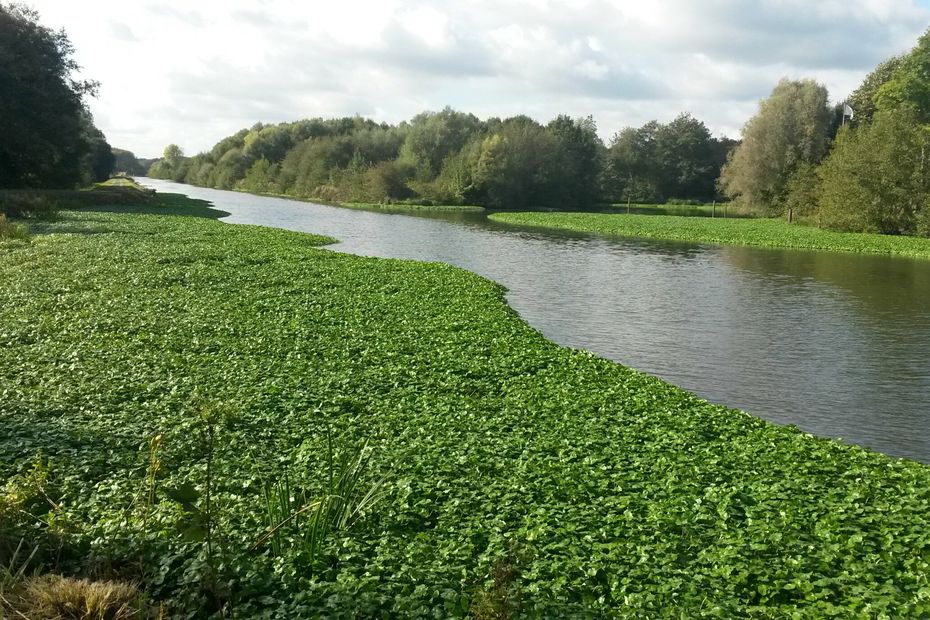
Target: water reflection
<point>834,343</point>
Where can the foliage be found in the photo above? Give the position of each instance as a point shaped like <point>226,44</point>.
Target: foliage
<point>524,476</point>
<point>682,208</point>
<point>733,231</point>
<point>126,162</point>
<point>908,88</point>
<point>309,522</point>
<point>875,179</point>
<point>12,230</point>
<point>791,129</point>
<point>48,136</point>
<point>29,204</point>
<point>802,192</point>
<point>447,157</point>
<point>862,100</point>
<point>657,162</point>
<point>403,206</point>
<point>44,204</point>
<point>54,596</point>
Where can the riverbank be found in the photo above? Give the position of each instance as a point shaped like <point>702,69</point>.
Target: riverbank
<point>403,207</point>
<point>769,233</point>
<point>161,373</point>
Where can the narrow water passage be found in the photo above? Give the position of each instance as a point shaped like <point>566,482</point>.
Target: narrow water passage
<point>837,344</point>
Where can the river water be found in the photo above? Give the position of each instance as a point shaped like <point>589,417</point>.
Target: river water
<point>835,343</point>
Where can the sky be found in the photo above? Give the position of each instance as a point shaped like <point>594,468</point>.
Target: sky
<point>192,73</point>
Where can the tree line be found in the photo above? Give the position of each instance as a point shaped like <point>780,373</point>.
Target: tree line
<point>858,166</point>
<point>48,135</point>
<point>452,157</point>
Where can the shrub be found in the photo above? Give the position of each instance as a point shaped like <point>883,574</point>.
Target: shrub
<point>28,204</point>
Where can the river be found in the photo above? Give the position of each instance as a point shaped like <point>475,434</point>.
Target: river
<point>835,343</point>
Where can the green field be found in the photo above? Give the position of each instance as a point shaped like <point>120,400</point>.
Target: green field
<point>770,233</point>
<point>161,377</point>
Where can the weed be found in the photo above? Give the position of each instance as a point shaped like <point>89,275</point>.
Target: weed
<point>636,496</point>
<point>12,230</point>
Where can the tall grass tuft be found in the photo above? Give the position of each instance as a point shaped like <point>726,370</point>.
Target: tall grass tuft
<point>308,522</point>
<point>54,596</point>
<point>10,230</point>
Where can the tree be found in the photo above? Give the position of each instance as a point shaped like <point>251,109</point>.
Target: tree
<point>99,159</point>
<point>632,159</point>
<point>658,161</point>
<point>433,136</point>
<point>577,161</point>
<point>685,159</point>
<point>126,161</point>
<point>862,100</point>
<point>790,129</point>
<point>909,84</point>
<point>44,143</point>
<point>876,178</point>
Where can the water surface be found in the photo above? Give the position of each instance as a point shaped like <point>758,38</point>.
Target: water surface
<point>835,343</point>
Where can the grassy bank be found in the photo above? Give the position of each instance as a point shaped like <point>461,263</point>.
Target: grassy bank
<point>685,210</point>
<point>759,232</point>
<point>179,396</point>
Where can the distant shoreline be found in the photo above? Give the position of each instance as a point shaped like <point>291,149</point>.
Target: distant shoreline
<point>758,232</point>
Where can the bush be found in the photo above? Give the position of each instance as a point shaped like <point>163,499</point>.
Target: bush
<point>28,204</point>
<point>873,180</point>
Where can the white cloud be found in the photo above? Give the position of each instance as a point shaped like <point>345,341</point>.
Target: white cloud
<point>193,73</point>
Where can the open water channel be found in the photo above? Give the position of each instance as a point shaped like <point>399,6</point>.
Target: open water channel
<point>835,343</point>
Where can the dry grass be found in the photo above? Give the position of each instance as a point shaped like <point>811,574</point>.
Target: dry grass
<point>9,230</point>
<point>49,597</point>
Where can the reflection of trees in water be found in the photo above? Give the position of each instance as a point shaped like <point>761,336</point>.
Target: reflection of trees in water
<point>862,336</point>
<point>880,285</point>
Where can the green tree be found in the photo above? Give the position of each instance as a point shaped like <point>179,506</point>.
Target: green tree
<point>909,85</point>
<point>862,100</point>
<point>99,160</point>
<point>790,129</point>
<point>876,178</point>
<point>433,136</point>
<point>42,124</point>
<point>574,180</point>
<point>632,159</point>
<point>685,161</point>
<point>126,161</point>
<point>516,166</point>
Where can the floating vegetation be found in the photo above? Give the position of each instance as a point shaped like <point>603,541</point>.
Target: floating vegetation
<point>174,389</point>
<point>735,231</point>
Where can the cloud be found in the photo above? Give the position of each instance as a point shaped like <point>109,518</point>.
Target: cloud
<point>193,73</point>
<point>122,32</point>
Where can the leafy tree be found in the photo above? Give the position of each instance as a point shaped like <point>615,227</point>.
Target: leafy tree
<point>574,180</point>
<point>656,162</point>
<point>632,157</point>
<point>126,161</point>
<point>876,179</point>
<point>172,165</point>
<point>862,100</point>
<point>685,159</point>
<point>516,166</point>
<point>99,160</point>
<point>909,85</point>
<point>433,136</point>
<point>42,120</point>
<point>790,129</point>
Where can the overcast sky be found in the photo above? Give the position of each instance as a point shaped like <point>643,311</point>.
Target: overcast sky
<point>195,72</point>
